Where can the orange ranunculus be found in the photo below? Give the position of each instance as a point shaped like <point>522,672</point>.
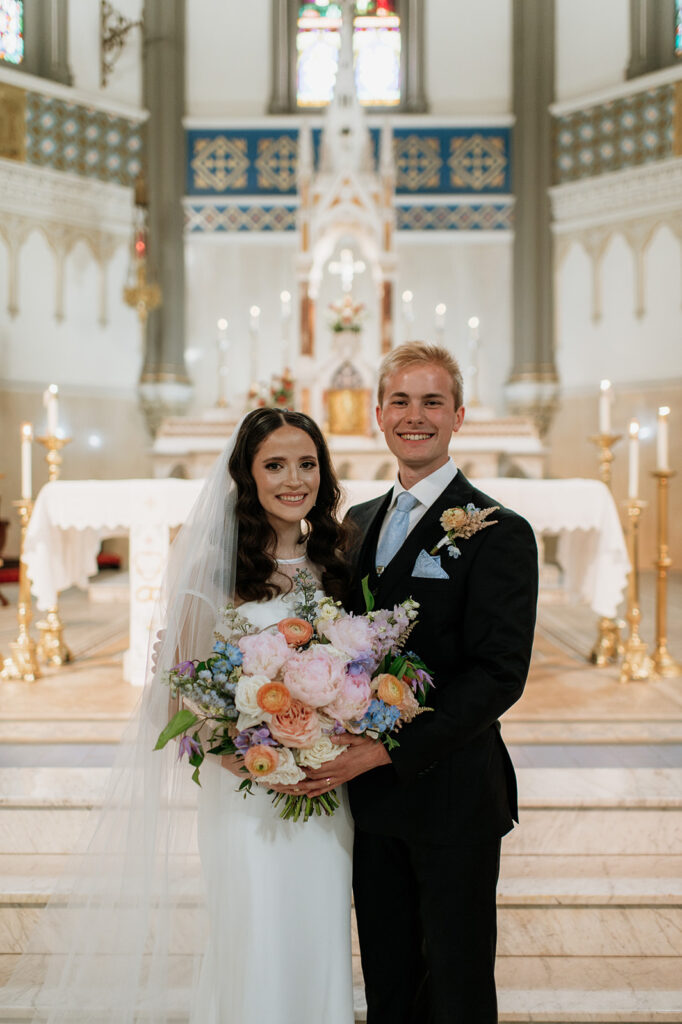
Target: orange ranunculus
<point>273,697</point>
<point>261,760</point>
<point>389,688</point>
<point>296,631</point>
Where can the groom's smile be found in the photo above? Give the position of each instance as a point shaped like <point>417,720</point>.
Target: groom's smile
<point>418,417</point>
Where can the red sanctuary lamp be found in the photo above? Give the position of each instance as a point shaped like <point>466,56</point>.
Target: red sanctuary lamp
<point>140,293</point>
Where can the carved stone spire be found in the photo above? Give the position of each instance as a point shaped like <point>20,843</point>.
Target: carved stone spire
<point>346,142</point>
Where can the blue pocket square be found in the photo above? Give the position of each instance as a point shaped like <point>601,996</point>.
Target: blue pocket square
<point>429,567</point>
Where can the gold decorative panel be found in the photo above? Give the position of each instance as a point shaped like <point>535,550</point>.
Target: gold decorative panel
<point>12,122</point>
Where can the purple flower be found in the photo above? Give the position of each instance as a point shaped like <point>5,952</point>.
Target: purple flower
<point>361,665</point>
<point>422,679</point>
<point>254,737</point>
<point>187,746</point>
<point>185,668</point>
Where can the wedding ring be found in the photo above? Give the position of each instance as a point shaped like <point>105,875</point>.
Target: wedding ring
<point>327,781</point>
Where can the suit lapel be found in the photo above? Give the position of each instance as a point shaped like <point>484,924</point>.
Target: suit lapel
<point>426,534</point>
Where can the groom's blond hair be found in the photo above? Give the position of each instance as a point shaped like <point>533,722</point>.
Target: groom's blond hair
<point>412,353</point>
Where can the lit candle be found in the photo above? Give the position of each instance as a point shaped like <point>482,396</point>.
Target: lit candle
<point>254,321</point>
<point>441,310</point>
<point>662,439</point>
<point>285,299</point>
<point>633,464</point>
<point>26,476</point>
<point>408,311</point>
<point>473,323</point>
<point>605,396</point>
<point>50,403</point>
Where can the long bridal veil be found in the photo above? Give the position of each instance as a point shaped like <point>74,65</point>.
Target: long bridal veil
<point>121,939</point>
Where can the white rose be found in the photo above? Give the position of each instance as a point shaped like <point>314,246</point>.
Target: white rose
<point>320,752</point>
<point>247,704</point>
<point>287,772</point>
<point>327,612</point>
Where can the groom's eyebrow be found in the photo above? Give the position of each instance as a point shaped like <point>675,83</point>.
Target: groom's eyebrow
<point>404,394</point>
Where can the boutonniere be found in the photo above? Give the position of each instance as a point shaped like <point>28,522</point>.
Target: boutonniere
<point>461,523</point>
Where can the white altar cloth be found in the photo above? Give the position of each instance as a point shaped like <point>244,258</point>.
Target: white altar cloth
<point>71,518</point>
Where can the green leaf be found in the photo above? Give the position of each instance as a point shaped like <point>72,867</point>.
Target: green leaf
<point>223,746</point>
<point>196,760</point>
<point>397,666</point>
<point>179,723</point>
<point>368,595</point>
<point>195,776</point>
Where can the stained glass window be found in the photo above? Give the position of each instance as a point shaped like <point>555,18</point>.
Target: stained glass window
<point>376,49</point>
<point>678,28</point>
<point>11,31</point>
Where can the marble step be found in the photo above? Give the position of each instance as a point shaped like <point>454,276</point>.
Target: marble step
<point>646,923</point>
<point>548,1005</point>
<point>538,787</point>
<point>609,832</point>
<point>529,731</point>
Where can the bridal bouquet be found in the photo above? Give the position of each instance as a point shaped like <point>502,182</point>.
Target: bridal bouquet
<point>276,697</point>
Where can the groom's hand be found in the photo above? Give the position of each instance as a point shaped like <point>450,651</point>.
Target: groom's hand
<point>362,755</point>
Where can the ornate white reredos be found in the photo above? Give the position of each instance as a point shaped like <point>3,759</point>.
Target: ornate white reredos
<point>633,203</point>
<point>347,195</point>
<point>66,209</point>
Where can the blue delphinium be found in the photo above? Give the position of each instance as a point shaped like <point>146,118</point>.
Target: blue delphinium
<point>232,656</point>
<point>379,717</point>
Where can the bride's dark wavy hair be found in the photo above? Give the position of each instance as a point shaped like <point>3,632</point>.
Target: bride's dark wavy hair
<point>328,539</point>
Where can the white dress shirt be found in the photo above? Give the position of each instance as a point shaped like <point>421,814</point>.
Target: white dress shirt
<point>425,491</point>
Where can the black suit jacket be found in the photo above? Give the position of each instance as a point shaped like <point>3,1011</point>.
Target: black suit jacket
<point>451,778</point>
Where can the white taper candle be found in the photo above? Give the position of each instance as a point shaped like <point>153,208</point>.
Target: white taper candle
<point>633,462</point>
<point>662,439</point>
<point>605,394</point>
<point>26,476</point>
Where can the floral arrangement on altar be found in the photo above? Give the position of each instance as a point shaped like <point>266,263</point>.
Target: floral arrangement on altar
<point>279,394</point>
<point>276,697</point>
<point>282,390</point>
<point>348,315</point>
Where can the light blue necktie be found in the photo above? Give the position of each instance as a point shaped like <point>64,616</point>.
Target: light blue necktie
<point>396,531</point>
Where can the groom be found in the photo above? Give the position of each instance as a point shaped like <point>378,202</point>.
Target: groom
<point>430,815</point>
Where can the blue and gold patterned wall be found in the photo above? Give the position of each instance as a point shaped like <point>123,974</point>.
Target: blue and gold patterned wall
<point>81,140</point>
<point>234,175</point>
<point>625,132</point>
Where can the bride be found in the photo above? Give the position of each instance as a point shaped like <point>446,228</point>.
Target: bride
<point>198,904</point>
<point>285,885</point>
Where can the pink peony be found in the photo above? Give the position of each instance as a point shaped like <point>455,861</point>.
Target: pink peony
<point>297,727</point>
<point>264,654</point>
<point>353,698</point>
<point>315,676</point>
<point>351,635</point>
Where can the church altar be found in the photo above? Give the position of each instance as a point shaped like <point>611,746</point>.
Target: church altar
<point>71,518</point>
<point>486,446</point>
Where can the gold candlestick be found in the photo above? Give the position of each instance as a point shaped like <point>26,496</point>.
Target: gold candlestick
<point>605,443</point>
<point>663,661</point>
<point>636,663</point>
<point>54,445</point>
<point>52,649</point>
<point>608,646</point>
<point>22,662</point>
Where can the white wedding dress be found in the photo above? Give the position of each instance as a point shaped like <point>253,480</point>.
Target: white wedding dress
<point>279,898</point>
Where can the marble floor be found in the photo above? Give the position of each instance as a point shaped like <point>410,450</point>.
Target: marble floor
<point>590,893</point>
